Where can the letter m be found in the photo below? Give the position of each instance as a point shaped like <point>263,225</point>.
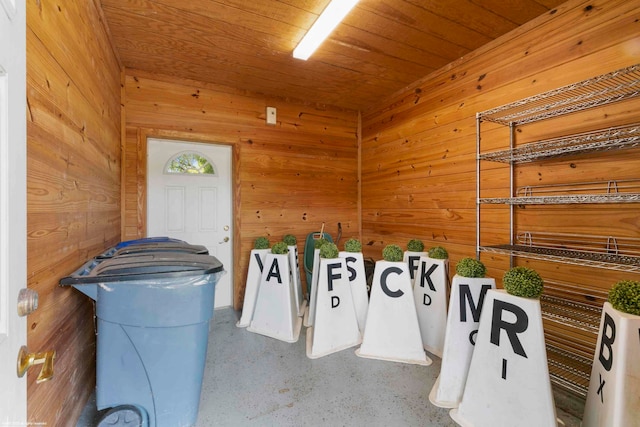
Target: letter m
<point>466,296</point>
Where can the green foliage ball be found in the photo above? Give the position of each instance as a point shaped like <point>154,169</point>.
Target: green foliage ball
<point>523,282</point>
<point>261,243</point>
<point>392,253</point>
<point>290,239</point>
<point>318,243</point>
<point>329,250</point>
<point>470,267</point>
<point>438,252</point>
<point>280,248</point>
<point>353,245</point>
<point>625,296</point>
<point>415,245</point>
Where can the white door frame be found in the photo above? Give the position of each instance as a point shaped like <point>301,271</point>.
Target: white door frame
<point>13,207</point>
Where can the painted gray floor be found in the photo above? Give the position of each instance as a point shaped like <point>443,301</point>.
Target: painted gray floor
<point>252,380</point>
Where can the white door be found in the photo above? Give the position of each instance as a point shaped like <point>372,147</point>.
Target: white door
<point>13,207</point>
<point>190,201</point>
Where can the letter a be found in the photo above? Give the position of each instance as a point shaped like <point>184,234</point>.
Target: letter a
<point>274,271</point>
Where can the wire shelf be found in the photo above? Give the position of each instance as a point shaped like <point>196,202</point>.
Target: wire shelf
<point>564,200</point>
<point>593,92</point>
<point>591,295</point>
<point>612,191</point>
<point>616,138</point>
<point>568,370</point>
<point>578,315</point>
<point>588,259</point>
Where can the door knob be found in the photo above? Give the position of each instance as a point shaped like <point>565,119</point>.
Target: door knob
<point>26,360</point>
<point>225,240</point>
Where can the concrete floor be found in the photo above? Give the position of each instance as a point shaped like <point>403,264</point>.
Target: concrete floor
<point>252,380</point>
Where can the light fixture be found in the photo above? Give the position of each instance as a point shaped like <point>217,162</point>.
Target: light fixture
<point>324,25</point>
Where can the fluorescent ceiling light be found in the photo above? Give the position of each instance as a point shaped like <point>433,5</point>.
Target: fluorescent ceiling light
<point>332,15</point>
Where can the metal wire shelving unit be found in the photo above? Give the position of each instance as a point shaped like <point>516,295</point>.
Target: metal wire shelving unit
<point>569,365</point>
<point>597,91</point>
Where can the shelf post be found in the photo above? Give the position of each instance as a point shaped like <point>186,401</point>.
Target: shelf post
<point>512,137</point>
<point>478,121</point>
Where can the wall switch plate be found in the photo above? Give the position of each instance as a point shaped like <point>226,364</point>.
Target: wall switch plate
<point>271,115</point>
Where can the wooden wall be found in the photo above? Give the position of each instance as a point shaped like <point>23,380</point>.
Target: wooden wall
<point>288,178</point>
<point>73,185</point>
<point>418,147</point>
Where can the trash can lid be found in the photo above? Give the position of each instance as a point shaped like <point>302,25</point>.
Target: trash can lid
<point>143,267</point>
<point>143,248</point>
<point>147,240</point>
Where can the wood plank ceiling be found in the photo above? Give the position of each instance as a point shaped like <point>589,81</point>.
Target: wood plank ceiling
<point>381,47</point>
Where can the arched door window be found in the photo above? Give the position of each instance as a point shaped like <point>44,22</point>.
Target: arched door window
<point>190,162</point>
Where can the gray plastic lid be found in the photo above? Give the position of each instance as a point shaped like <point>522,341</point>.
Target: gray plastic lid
<point>149,266</point>
<point>143,248</point>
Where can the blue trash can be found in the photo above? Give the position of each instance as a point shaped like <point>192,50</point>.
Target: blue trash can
<point>153,314</point>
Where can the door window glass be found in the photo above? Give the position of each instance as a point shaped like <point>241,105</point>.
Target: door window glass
<point>190,162</point>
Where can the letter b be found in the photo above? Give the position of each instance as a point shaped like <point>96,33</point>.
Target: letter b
<point>608,337</point>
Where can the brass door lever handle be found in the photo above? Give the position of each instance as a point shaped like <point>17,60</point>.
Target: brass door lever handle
<point>45,358</point>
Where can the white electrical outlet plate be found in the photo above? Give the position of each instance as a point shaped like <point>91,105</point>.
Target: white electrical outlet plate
<point>271,115</point>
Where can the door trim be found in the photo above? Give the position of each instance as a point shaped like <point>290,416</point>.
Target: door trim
<point>141,162</point>
<point>13,208</point>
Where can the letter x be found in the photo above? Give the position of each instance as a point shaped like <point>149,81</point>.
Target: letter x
<point>600,389</point>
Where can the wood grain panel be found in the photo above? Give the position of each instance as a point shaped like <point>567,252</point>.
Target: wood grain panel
<point>538,56</point>
<point>294,176</point>
<point>423,137</point>
<point>378,49</point>
<point>73,190</point>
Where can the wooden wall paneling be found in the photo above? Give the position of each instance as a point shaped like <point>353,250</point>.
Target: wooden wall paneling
<point>538,50</point>
<point>73,191</point>
<point>437,115</point>
<point>294,176</point>
<point>603,166</point>
<point>90,70</point>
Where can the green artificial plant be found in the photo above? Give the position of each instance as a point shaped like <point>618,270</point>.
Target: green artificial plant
<point>438,252</point>
<point>261,243</point>
<point>523,282</point>
<point>470,267</point>
<point>279,248</point>
<point>624,296</point>
<point>353,245</point>
<point>290,239</point>
<point>415,245</point>
<point>329,250</point>
<point>318,243</point>
<point>392,253</point>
